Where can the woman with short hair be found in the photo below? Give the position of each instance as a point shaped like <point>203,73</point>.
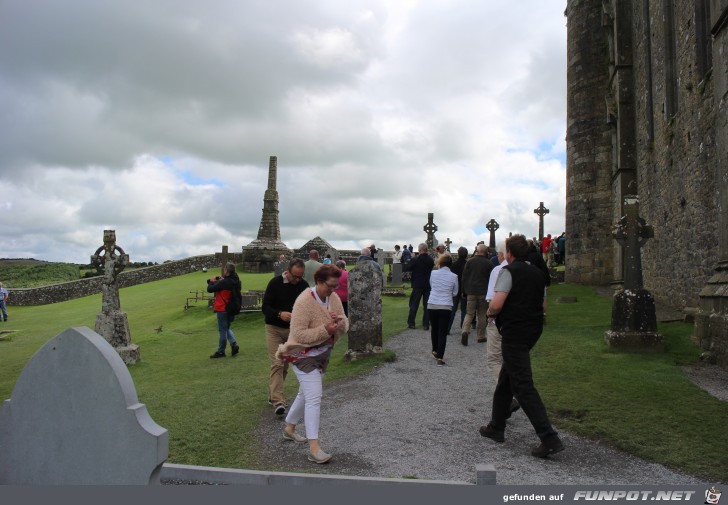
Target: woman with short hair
<point>317,322</point>
<point>443,288</point>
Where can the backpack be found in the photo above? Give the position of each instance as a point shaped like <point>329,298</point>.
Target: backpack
<point>235,303</point>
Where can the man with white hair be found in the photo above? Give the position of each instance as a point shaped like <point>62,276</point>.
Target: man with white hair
<point>366,255</point>
<point>475,284</point>
<point>494,359</point>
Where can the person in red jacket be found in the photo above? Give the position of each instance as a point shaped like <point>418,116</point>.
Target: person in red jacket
<point>223,287</point>
<point>546,247</point>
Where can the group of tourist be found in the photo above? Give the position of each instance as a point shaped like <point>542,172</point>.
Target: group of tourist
<point>553,250</point>
<point>502,292</point>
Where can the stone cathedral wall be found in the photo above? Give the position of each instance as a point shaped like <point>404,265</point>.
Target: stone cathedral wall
<point>678,172</point>
<point>589,149</point>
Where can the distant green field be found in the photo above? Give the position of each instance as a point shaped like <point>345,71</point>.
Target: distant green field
<point>33,273</point>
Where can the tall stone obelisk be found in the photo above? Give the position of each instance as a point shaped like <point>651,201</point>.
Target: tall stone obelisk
<point>261,254</point>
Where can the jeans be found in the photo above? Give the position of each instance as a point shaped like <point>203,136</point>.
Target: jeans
<point>307,404</point>
<point>439,320</point>
<point>515,379</point>
<point>5,311</point>
<point>223,329</point>
<point>414,303</point>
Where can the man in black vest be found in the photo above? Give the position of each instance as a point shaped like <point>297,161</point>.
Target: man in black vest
<point>518,305</point>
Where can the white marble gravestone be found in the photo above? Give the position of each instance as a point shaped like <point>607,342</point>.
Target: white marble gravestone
<point>74,418</point>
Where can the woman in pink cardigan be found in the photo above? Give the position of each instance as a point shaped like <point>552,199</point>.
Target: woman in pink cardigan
<point>317,322</point>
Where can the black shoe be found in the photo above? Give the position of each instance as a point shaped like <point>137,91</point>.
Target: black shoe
<point>515,406</point>
<point>218,355</point>
<point>464,338</point>
<point>426,328</point>
<point>280,409</point>
<point>236,349</point>
<point>491,433</point>
<point>550,446</point>
<point>411,326</point>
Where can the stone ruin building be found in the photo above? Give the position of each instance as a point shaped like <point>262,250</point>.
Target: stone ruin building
<point>647,115</point>
<point>321,245</point>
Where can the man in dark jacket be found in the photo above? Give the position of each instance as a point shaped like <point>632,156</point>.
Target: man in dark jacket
<point>475,285</point>
<point>278,300</point>
<point>460,300</point>
<point>421,267</point>
<point>223,286</point>
<point>518,310</point>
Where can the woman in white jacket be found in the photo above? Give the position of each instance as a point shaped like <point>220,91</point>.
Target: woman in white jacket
<point>443,288</point>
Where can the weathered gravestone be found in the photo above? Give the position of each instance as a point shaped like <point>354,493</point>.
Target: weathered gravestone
<point>381,259</point>
<point>430,228</point>
<point>365,309</point>
<point>74,418</point>
<point>112,323</point>
<point>396,274</point>
<point>634,319</point>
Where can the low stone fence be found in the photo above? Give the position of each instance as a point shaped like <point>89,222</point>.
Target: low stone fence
<point>84,287</point>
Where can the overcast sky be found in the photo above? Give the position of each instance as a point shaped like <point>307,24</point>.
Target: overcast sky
<point>157,118</point>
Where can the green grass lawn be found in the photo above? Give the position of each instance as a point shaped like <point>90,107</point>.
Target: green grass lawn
<point>641,403</point>
<point>209,406</point>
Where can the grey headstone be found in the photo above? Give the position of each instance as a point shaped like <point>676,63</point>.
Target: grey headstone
<point>74,418</point>
<point>396,274</point>
<point>365,308</point>
<point>381,259</point>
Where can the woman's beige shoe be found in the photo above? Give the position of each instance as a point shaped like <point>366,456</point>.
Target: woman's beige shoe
<point>295,437</point>
<point>320,457</point>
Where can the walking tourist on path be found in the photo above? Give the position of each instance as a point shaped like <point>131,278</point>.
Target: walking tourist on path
<point>317,322</point>
<point>422,432</point>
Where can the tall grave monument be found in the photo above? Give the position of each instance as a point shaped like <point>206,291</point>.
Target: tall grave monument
<point>541,211</point>
<point>430,228</point>
<point>261,254</point>
<point>365,309</point>
<point>492,226</point>
<point>112,323</point>
<point>634,320</point>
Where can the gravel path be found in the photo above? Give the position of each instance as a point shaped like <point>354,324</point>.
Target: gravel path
<point>412,418</point>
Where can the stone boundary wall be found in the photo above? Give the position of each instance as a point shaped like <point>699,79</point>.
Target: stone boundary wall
<point>84,287</point>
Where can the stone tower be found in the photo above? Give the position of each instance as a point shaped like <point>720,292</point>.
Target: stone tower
<point>589,253</point>
<point>261,254</point>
